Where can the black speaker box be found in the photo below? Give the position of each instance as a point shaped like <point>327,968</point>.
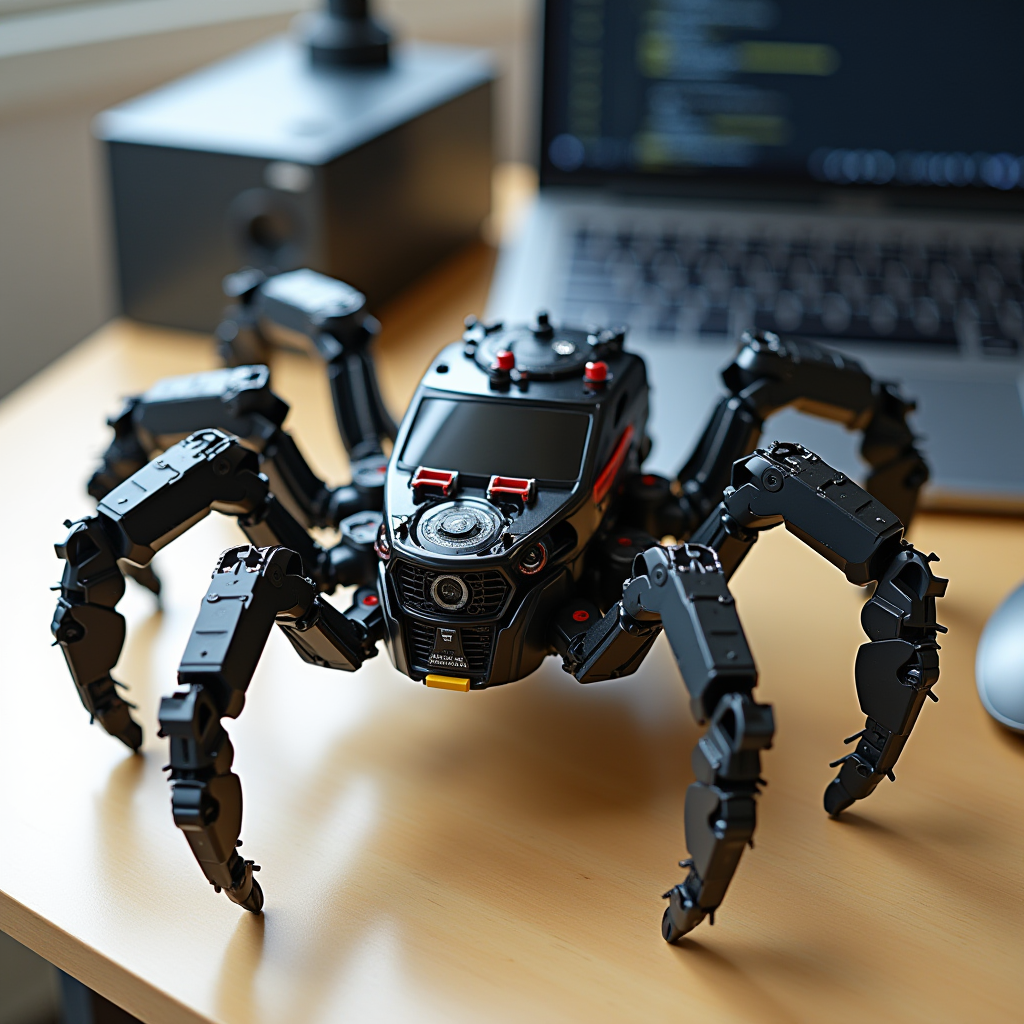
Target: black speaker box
<point>370,175</point>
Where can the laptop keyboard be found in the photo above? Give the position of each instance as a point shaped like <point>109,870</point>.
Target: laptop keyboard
<point>937,295</point>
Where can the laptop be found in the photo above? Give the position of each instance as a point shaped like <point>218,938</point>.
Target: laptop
<point>849,172</point>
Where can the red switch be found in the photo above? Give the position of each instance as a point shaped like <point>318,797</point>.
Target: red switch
<point>504,360</point>
<point>596,373</point>
<point>444,480</point>
<point>520,487</point>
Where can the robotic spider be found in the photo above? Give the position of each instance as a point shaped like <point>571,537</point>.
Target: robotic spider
<point>512,521</point>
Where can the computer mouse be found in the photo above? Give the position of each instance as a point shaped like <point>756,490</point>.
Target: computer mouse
<point>999,669</point>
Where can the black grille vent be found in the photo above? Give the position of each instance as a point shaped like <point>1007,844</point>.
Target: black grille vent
<point>476,645</point>
<point>421,642</point>
<point>487,590</point>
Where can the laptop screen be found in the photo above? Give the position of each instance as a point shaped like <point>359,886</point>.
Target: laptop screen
<point>910,96</point>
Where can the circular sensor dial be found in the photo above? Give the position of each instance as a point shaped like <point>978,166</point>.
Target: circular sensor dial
<point>449,593</point>
<point>459,527</point>
<point>459,523</point>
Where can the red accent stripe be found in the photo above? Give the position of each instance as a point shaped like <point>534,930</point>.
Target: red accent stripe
<point>604,482</point>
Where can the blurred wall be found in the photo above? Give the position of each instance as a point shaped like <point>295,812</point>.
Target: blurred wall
<point>59,68</point>
<point>509,28</point>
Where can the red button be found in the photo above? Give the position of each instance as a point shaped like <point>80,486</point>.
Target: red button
<point>624,542</point>
<point>504,360</point>
<point>370,600</point>
<point>581,615</point>
<point>597,372</point>
<point>648,481</point>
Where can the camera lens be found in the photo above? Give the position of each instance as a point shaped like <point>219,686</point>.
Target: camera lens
<point>449,593</point>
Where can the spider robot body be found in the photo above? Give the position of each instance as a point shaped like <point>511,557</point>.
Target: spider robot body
<point>513,521</point>
<point>499,483</point>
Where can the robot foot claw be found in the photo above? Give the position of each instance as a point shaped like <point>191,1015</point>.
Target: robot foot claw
<point>682,915</point>
<point>118,721</point>
<point>248,893</point>
<point>837,799</point>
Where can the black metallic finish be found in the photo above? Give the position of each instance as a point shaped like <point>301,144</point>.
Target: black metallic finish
<point>721,809</point>
<point>238,401</point>
<point>683,591</point>
<point>770,373</point>
<point>90,632</point>
<point>137,518</point>
<point>252,588</point>
<point>331,317</point>
<point>209,470</point>
<point>824,508</point>
<point>895,672</point>
<point>464,579</point>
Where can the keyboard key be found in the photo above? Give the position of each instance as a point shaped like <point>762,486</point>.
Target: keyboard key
<point>667,271</point>
<point>968,330</point>
<point>896,278</point>
<point>761,278</point>
<point>715,322</point>
<point>789,311</point>
<point>926,317</point>
<point>995,345</point>
<point>1009,263</point>
<point>835,313</point>
<point>850,282</point>
<point>742,311</point>
<point>1011,320</point>
<point>714,274</point>
<point>944,285</point>
<point>807,283</point>
<point>882,314</point>
<point>989,284</point>
<point>695,306</point>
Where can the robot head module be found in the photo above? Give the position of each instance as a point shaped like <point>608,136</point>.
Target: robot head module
<point>505,467</point>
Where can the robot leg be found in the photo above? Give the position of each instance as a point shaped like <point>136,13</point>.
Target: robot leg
<point>860,536</point>
<point>684,591</point>
<point>895,672</point>
<point>720,809</point>
<point>89,629</point>
<point>252,588</point>
<point>206,798</point>
<point>134,520</point>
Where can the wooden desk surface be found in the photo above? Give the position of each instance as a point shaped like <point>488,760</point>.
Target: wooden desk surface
<point>499,855</point>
